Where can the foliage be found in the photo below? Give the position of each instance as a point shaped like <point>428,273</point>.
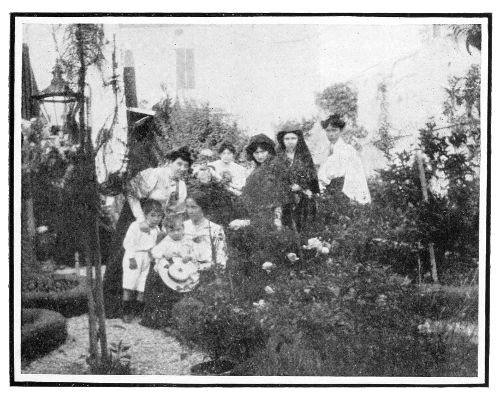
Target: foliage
<point>451,218</point>
<point>213,319</point>
<point>346,319</point>
<point>471,33</point>
<point>385,142</point>
<point>87,37</point>
<point>339,98</point>
<point>46,283</point>
<point>198,126</point>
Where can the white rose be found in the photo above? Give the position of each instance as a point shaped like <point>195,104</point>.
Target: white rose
<point>269,290</point>
<point>267,266</point>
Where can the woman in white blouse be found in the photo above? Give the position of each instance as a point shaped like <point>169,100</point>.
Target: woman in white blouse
<point>164,184</point>
<point>232,175</point>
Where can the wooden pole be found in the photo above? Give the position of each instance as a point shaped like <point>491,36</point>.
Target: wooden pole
<point>91,304</point>
<point>92,246</point>
<point>423,184</point>
<point>99,296</point>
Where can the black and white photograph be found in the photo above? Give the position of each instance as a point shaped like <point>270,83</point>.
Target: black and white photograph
<point>250,199</point>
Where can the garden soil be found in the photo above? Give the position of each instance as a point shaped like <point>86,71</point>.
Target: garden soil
<point>153,352</point>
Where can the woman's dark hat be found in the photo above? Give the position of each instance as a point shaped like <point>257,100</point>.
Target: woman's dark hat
<point>259,140</point>
<point>334,120</point>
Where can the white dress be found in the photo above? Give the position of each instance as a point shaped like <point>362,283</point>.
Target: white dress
<point>209,242</point>
<point>137,244</point>
<point>238,173</point>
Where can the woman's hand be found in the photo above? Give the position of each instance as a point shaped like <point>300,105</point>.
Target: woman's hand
<point>144,226</point>
<point>277,223</point>
<point>296,188</point>
<point>308,193</point>
<point>132,264</point>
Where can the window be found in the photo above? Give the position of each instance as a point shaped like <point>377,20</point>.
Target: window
<point>185,68</point>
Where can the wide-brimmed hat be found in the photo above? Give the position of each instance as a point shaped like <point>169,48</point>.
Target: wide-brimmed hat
<point>181,277</point>
<point>259,140</point>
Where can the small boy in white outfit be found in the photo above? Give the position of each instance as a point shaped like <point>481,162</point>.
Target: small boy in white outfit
<point>141,237</point>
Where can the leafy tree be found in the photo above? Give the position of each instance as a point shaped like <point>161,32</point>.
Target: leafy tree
<point>339,98</point>
<point>199,126</point>
<point>451,218</point>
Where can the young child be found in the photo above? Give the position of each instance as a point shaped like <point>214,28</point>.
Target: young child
<point>174,247</point>
<point>137,243</point>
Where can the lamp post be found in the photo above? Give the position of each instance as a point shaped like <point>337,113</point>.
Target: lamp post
<point>58,103</point>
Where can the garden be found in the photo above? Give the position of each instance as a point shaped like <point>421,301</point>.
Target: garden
<point>388,288</point>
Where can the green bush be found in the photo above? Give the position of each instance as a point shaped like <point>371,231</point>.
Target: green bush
<point>69,302</point>
<point>215,321</point>
<point>41,332</point>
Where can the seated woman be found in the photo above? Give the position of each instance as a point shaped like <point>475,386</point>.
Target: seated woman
<point>204,245</point>
<point>232,175</point>
<point>301,178</point>
<point>265,192</point>
<point>164,184</point>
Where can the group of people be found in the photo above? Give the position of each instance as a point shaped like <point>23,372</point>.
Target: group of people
<point>166,238</point>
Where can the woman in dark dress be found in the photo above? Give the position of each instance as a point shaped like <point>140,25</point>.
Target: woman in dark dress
<point>301,177</point>
<point>163,184</point>
<point>265,193</point>
<point>209,247</point>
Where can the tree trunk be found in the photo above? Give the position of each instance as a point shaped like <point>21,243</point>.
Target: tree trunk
<point>90,207</point>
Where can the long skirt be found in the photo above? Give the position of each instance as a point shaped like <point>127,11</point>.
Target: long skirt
<point>158,302</point>
<point>112,283</point>
<point>299,215</point>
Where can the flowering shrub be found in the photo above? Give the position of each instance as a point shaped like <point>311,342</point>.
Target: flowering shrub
<point>216,321</point>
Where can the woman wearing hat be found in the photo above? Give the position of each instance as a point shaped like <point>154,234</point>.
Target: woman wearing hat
<point>264,193</point>
<point>301,177</point>
<point>166,285</point>
<point>164,184</point>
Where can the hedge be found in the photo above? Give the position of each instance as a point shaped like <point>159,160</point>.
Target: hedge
<point>69,303</point>
<point>41,332</point>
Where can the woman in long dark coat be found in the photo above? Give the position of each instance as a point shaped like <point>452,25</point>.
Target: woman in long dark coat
<point>265,192</point>
<point>301,178</point>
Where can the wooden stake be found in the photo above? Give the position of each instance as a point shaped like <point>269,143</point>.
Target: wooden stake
<point>423,184</point>
<point>91,304</point>
<point>99,296</point>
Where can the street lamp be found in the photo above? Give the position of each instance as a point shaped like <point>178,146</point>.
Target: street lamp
<point>57,102</point>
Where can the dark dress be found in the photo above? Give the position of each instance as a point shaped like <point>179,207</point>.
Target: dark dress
<point>112,283</point>
<point>300,209</point>
<point>265,190</point>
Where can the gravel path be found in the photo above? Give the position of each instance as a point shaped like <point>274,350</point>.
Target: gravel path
<point>152,351</point>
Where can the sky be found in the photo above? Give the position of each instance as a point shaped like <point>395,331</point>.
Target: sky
<point>262,74</point>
